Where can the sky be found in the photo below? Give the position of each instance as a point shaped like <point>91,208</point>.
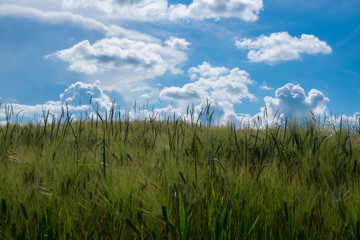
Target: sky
<point>245,57</point>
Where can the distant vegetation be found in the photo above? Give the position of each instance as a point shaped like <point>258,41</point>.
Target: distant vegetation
<point>112,178</point>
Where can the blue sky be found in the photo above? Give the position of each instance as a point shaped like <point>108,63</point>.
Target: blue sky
<point>291,55</point>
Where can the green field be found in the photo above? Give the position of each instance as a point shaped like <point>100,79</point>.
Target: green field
<point>112,178</point>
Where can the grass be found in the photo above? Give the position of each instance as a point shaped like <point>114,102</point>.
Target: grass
<point>112,178</point>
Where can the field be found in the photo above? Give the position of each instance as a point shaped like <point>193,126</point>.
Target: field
<point>114,178</point>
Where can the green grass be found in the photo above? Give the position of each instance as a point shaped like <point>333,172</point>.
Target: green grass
<point>112,178</point>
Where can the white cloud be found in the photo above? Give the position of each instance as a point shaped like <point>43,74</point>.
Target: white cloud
<point>9,10</point>
<point>265,87</point>
<point>120,32</point>
<point>149,10</point>
<point>145,59</point>
<point>291,100</point>
<point>246,10</point>
<point>177,43</point>
<point>353,120</point>
<point>282,47</point>
<point>146,10</point>
<point>213,83</point>
<point>114,9</point>
<point>104,56</point>
<point>218,85</point>
<point>76,98</point>
<point>145,95</point>
<point>81,92</point>
<point>48,17</point>
<point>205,70</point>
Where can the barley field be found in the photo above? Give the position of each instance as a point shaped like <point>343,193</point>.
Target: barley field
<point>111,177</point>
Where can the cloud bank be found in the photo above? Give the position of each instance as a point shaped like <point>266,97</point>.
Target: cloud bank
<point>281,46</point>
<point>290,100</point>
<point>149,10</point>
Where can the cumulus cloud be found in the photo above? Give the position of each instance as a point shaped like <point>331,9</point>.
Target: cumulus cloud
<point>291,100</point>
<point>282,47</point>
<point>217,85</point>
<point>77,98</point>
<point>247,10</point>
<point>149,59</point>
<point>80,93</point>
<point>177,43</point>
<point>213,83</point>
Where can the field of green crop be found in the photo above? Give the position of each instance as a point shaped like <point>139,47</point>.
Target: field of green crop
<point>112,178</point>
